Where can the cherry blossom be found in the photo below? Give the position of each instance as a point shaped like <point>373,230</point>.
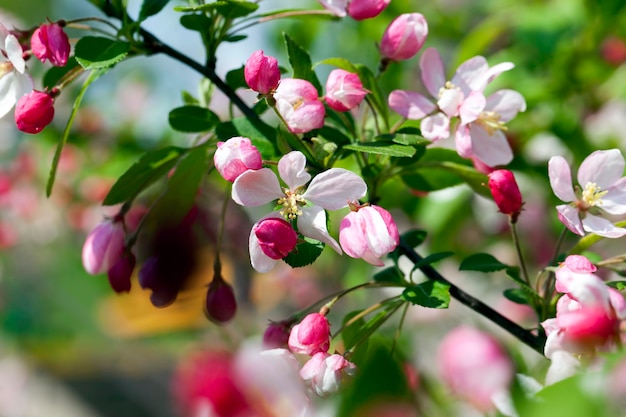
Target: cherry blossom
<point>14,81</point>
<point>298,103</point>
<point>602,191</point>
<point>329,190</point>
<point>326,372</point>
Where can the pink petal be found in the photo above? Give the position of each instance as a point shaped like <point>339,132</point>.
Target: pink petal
<point>506,103</point>
<point>492,150</point>
<point>256,187</point>
<point>433,72</point>
<point>312,223</point>
<point>334,188</point>
<point>436,127</point>
<point>481,82</point>
<point>291,168</point>
<point>410,105</point>
<point>471,107</point>
<point>352,236</point>
<point>602,227</point>
<point>337,7</point>
<point>463,141</point>
<point>468,73</point>
<point>569,216</point>
<point>614,201</point>
<point>450,99</point>
<point>602,167</point>
<point>561,178</point>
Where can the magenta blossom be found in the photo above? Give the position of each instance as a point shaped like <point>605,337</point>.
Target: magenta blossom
<point>261,72</point>
<point>50,42</point>
<point>505,192</point>
<point>344,90</point>
<point>235,156</point>
<point>298,103</point>
<point>275,237</point>
<point>368,232</point>
<point>311,335</point>
<point>404,37</point>
<point>330,190</point>
<point>34,111</point>
<point>326,372</point>
<point>602,191</point>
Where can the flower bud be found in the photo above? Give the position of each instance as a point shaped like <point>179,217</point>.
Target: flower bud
<point>474,366</point>
<point>103,247</point>
<point>344,90</point>
<point>325,372</point>
<point>261,72</point>
<point>298,104</point>
<point>404,37</point>
<point>276,237</point>
<point>505,192</point>
<point>366,9</point>
<point>34,111</point>
<point>368,233</point>
<point>276,335</point>
<point>50,42</point>
<point>311,335</point>
<point>121,272</point>
<point>235,156</point>
<point>220,305</point>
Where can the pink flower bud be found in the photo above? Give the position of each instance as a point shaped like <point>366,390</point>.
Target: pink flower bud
<point>277,335</point>
<point>474,366</point>
<point>311,335</point>
<point>276,237</point>
<point>261,72</point>
<point>50,42</point>
<point>298,103</point>
<point>103,247</point>
<point>220,305</point>
<point>121,272</point>
<point>368,233</point>
<point>366,9</point>
<point>505,192</point>
<point>235,156</point>
<point>404,37</point>
<point>34,111</point>
<point>326,372</point>
<point>344,90</point>
<point>588,326</point>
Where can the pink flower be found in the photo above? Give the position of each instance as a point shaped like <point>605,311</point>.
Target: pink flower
<point>368,232</point>
<point>261,72</point>
<point>220,304</point>
<point>311,335</point>
<point>275,237</point>
<point>404,37</point>
<point>366,9</point>
<point>14,81</point>
<point>330,190</point>
<point>344,90</point>
<point>50,42</point>
<point>474,366</point>
<point>326,372</point>
<point>235,156</point>
<point>103,247</point>
<point>298,104</point>
<point>603,190</point>
<point>505,192</point>
<point>34,111</point>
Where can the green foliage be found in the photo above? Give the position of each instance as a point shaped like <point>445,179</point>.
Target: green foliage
<point>55,74</point>
<point>483,262</point>
<point>192,119</point>
<point>230,9</point>
<point>383,148</point>
<point>390,274</point>
<point>300,62</point>
<point>151,7</point>
<point>94,52</point>
<point>305,253</point>
<point>431,294</point>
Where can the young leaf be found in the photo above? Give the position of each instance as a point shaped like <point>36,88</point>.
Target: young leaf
<point>483,262</point>
<point>235,78</point>
<point>192,119</point>
<point>432,258</point>
<point>232,9</point>
<point>150,8</point>
<point>517,295</point>
<point>150,167</point>
<point>391,274</point>
<point>305,253</point>
<point>301,63</point>
<point>432,294</point>
<point>96,52</point>
<point>383,148</point>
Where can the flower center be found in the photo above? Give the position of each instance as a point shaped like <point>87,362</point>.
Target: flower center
<point>447,86</point>
<point>5,68</point>
<point>592,194</point>
<point>291,203</point>
<point>491,122</point>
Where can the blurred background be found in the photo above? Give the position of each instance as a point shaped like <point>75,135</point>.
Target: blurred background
<point>72,347</point>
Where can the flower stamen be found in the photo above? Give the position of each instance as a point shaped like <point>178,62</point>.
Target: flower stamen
<point>491,122</point>
<point>291,205</point>
<point>592,194</point>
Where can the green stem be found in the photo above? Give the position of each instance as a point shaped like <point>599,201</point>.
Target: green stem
<point>518,249</point>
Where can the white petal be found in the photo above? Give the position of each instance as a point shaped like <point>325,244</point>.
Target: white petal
<point>436,127</point>
<point>507,103</point>
<point>259,260</point>
<point>479,83</point>
<point>471,107</point>
<point>13,85</point>
<point>334,188</point>
<point>291,168</point>
<point>569,216</point>
<point>312,223</point>
<point>602,227</point>
<point>492,150</point>
<point>602,167</point>
<point>14,53</point>
<point>563,365</point>
<point>433,73</point>
<point>256,187</point>
<point>614,201</point>
<point>561,178</point>
<point>409,104</point>
<point>469,72</point>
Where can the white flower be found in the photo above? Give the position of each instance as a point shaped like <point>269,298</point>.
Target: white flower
<point>14,81</point>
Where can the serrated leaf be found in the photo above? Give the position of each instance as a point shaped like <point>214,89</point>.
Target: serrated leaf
<point>93,76</point>
<point>150,167</point>
<point>517,295</point>
<point>391,274</point>
<point>94,52</point>
<point>301,63</point>
<point>482,262</point>
<point>193,119</point>
<point>431,294</point>
<point>150,8</point>
<point>383,148</point>
<point>339,63</point>
<point>305,253</point>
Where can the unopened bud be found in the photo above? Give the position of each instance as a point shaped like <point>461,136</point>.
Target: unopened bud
<point>220,305</point>
<point>50,42</point>
<point>34,111</point>
<point>276,237</point>
<point>121,272</point>
<point>506,193</point>
<point>404,37</point>
<point>261,72</point>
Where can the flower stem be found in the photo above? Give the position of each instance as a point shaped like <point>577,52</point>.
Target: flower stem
<point>518,249</point>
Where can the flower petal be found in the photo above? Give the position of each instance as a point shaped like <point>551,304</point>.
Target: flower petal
<point>463,141</point>
<point>433,73</point>
<point>334,188</point>
<point>436,127</point>
<point>506,103</point>
<point>561,178</point>
<point>602,168</point>
<point>291,168</point>
<point>312,223</point>
<point>471,107</point>
<point>14,53</point>
<point>259,260</point>
<point>410,105</point>
<point>256,187</point>
<point>602,227</point>
<point>479,83</point>
<point>492,150</point>
<point>614,201</point>
<point>468,73</point>
<point>568,215</point>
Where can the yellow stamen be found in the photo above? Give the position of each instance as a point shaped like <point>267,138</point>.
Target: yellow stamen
<point>291,205</point>
<point>592,194</point>
<point>491,122</point>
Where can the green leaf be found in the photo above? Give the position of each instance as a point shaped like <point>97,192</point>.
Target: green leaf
<point>150,167</point>
<point>193,119</point>
<point>261,135</point>
<point>517,295</point>
<point>235,78</point>
<point>618,285</point>
<point>339,63</point>
<point>301,63</point>
<point>390,274</point>
<point>150,8</point>
<point>234,38</point>
<point>195,22</point>
<point>54,74</point>
<point>93,76</point>
<point>96,52</point>
<point>350,332</point>
<point>432,294</point>
<point>383,148</point>
<point>413,238</point>
<point>432,258</point>
<point>305,253</point>
<point>376,96</point>
<point>483,262</point>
